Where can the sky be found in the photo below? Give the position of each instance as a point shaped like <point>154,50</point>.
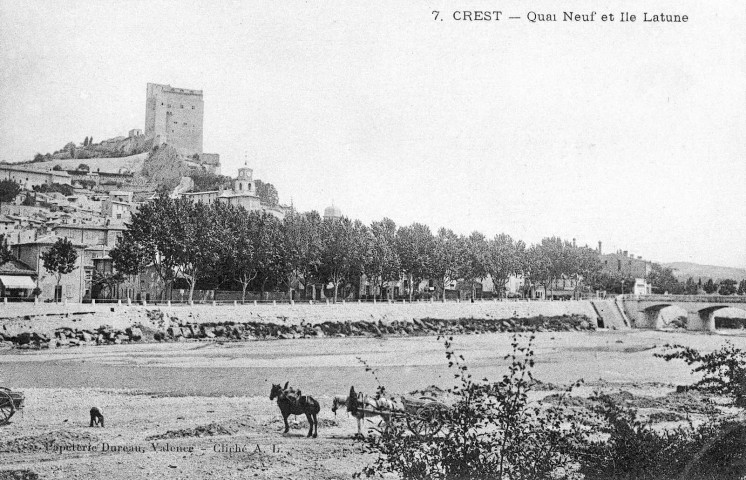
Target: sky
<point>633,134</point>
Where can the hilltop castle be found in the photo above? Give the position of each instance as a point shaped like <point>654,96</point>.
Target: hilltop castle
<point>174,116</point>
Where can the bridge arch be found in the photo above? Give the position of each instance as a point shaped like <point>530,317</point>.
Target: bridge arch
<point>652,315</point>
<point>728,317</point>
<point>708,318</point>
<point>672,317</point>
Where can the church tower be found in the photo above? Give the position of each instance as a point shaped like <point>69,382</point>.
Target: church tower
<point>244,182</point>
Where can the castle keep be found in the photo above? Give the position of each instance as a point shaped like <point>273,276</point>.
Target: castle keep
<point>174,116</point>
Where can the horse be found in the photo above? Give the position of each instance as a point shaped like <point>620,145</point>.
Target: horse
<point>292,402</point>
<point>358,403</point>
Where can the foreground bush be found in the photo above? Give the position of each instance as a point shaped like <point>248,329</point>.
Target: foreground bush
<point>631,449</point>
<point>492,431</point>
<point>724,370</point>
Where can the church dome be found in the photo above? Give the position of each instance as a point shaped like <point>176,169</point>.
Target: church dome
<point>332,212</point>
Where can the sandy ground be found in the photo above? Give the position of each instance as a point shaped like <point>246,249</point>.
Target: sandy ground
<point>147,391</point>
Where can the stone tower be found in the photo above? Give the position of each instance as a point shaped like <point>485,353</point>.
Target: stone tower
<point>244,182</point>
<point>174,115</point>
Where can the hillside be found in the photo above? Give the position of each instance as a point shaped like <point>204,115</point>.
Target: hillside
<point>131,164</point>
<point>684,270</point>
<point>163,169</point>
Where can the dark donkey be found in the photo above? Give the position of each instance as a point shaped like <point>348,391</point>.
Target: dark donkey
<point>291,402</point>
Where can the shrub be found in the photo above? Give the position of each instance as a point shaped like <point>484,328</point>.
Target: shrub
<point>724,370</point>
<point>631,449</point>
<point>491,432</point>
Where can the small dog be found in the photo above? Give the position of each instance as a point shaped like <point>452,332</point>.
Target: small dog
<point>97,418</point>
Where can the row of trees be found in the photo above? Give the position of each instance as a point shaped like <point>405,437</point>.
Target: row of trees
<point>663,280</point>
<point>221,246</point>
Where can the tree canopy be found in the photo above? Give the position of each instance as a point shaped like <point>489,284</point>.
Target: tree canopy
<point>60,258</point>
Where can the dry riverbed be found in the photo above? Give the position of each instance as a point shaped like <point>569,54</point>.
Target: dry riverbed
<point>194,410</point>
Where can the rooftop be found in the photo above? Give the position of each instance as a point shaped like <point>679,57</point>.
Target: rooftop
<point>16,267</point>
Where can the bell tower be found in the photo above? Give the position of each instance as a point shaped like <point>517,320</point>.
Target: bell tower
<point>244,182</point>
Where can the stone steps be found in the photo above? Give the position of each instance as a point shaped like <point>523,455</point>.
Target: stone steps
<point>610,314</point>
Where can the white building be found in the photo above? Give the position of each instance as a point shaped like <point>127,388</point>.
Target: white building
<point>242,194</point>
<point>28,178</point>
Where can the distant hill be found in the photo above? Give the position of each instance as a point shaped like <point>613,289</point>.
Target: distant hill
<point>684,270</point>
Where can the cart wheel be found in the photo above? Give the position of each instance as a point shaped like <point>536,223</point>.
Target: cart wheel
<point>426,422</point>
<point>6,407</point>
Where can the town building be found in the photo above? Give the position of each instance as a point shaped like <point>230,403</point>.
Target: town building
<point>28,178</point>
<point>641,287</point>
<point>71,287</point>
<point>332,212</point>
<point>243,194</point>
<point>117,208</point>
<point>624,264</point>
<point>17,280</point>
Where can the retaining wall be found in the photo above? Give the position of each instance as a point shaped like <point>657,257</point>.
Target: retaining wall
<point>15,318</point>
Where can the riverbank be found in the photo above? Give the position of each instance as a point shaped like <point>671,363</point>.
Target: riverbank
<point>97,324</point>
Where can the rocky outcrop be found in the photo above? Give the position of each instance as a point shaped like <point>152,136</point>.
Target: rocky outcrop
<point>163,168</point>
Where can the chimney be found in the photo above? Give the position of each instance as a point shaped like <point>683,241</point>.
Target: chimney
<point>600,252</point>
<point>573,243</point>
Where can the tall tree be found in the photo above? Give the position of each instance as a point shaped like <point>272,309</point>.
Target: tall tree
<point>239,249</point>
<point>554,255</point>
<point>384,261</point>
<point>267,193</point>
<point>272,269</point>
<point>301,247</point>
<point>5,254</point>
<point>727,287</point>
<point>504,259</point>
<point>691,287</point>
<point>662,279</point>
<point>129,257</point>
<point>9,189</point>
<point>448,258</point>
<point>60,259</point>
<point>588,266</point>
<point>342,251</point>
<point>537,268</point>
<point>158,232</point>
<point>709,286</point>
<point>198,249</point>
<point>414,247</point>
<point>476,260</point>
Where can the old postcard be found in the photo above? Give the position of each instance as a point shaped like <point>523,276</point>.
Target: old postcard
<point>406,240</point>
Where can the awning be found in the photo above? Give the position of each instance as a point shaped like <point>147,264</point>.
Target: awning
<point>17,281</point>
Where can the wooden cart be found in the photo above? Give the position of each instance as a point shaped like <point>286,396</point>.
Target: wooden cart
<point>10,403</point>
<point>424,416</point>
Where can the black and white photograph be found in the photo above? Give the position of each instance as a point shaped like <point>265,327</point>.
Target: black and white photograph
<point>403,240</point>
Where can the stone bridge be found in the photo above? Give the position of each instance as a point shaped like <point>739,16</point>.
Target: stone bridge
<point>644,310</point>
